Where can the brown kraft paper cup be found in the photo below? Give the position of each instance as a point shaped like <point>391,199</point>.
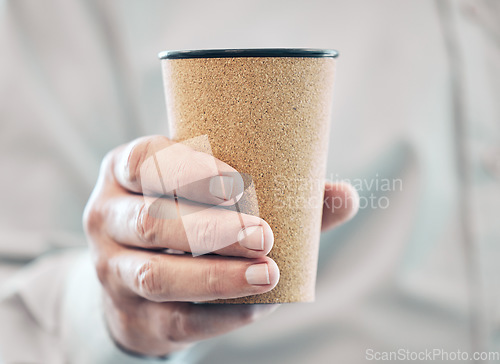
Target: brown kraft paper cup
<point>266,113</point>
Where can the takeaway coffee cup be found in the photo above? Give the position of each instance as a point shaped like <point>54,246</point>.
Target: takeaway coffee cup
<point>265,112</point>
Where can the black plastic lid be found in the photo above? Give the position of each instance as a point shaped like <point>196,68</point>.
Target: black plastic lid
<point>256,52</point>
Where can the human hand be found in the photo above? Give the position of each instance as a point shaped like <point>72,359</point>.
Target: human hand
<point>148,294</point>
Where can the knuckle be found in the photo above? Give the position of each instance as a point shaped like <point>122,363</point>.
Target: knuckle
<point>136,157</point>
<point>147,227</point>
<point>94,214</point>
<point>102,269</point>
<point>215,280</point>
<point>182,172</point>
<point>207,235</point>
<point>187,164</point>
<point>92,219</point>
<point>107,161</point>
<point>150,279</point>
<point>139,152</point>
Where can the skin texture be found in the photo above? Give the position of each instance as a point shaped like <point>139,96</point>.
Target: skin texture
<point>132,217</point>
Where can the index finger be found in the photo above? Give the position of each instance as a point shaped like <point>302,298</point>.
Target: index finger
<point>157,166</point>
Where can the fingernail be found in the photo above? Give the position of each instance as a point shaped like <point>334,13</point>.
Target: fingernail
<point>252,237</point>
<point>258,274</point>
<point>221,187</point>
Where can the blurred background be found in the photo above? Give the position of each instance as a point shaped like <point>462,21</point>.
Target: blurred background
<point>415,128</point>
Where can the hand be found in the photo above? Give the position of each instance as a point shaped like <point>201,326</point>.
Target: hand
<point>148,293</point>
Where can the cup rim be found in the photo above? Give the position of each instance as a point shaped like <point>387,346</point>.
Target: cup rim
<point>249,52</point>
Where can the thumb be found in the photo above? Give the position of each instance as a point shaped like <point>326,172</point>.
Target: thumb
<point>340,204</point>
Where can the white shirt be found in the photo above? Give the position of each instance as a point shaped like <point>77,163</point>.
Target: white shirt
<point>416,106</point>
